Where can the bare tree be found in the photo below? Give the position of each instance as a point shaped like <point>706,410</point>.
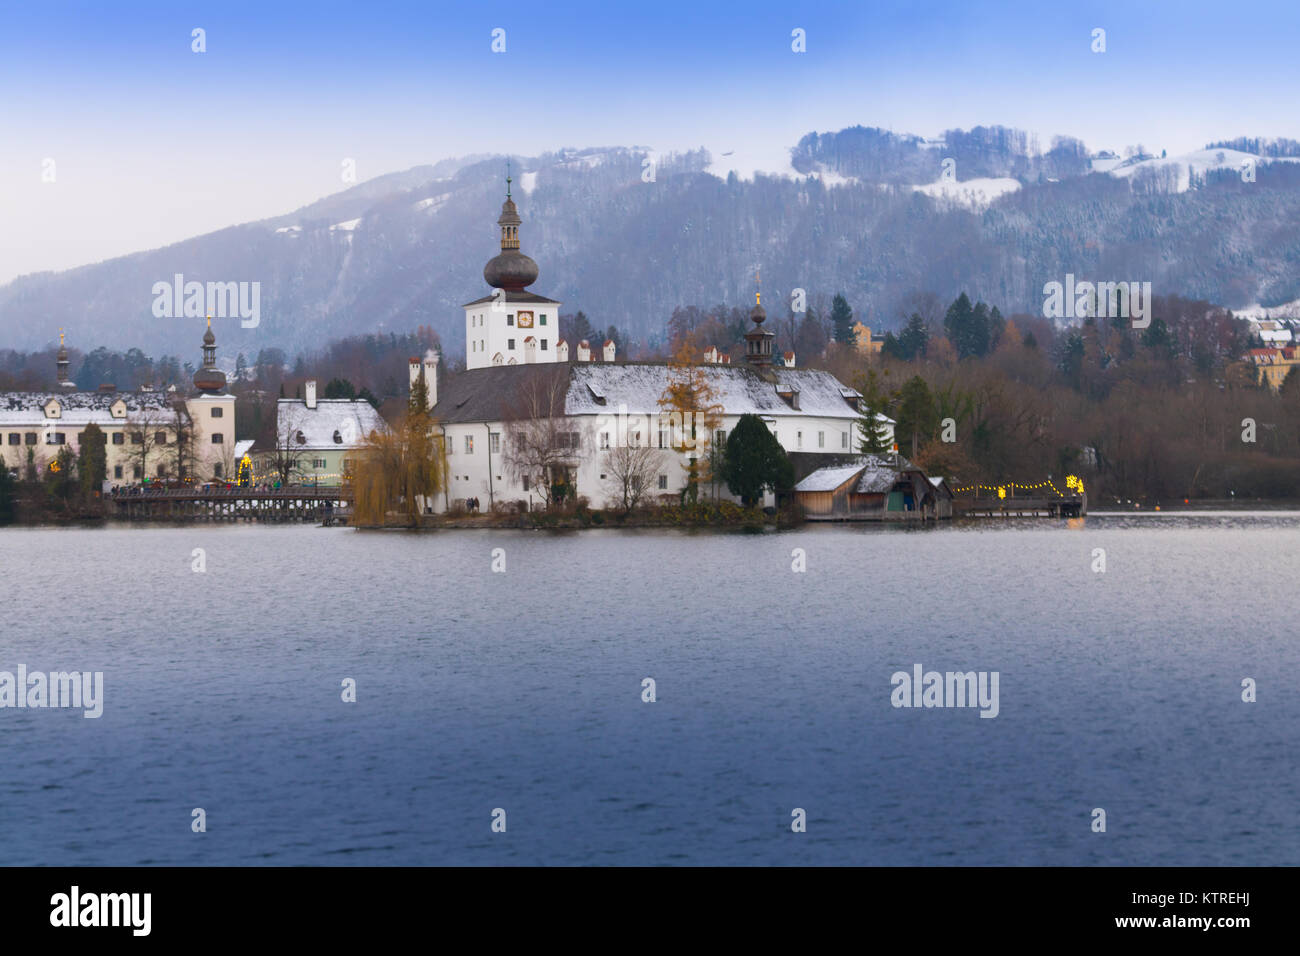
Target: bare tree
<point>287,447</point>
<point>144,426</point>
<point>542,444</point>
<point>631,470</point>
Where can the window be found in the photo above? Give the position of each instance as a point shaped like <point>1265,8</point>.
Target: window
<point>160,438</point>
<point>137,472</point>
<point>81,438</point>
<point>338,437</point>
<point>56,438</point>
<point>318,462</point>
<point>541,320</point>
<point>543,345</point>
<point>510,344</point>
<point>494,443</point>
<point>137,438</point>
<point>117,471</point>
<point>216,469</point>
<point>720,437</point>
<point>15,438</point>
<point>663,436</point>
<point>218,438</point>
<point>821,439</point>
<point>119,438</point>
<point>161,471</point>
<point>30,438</point>
<point>510,318</point>
<point>525,482</point>
<point>844,439</point>
<point>663,482</point>
<point>217,411</point>
<point>604,440</point>
<point>469,444</point>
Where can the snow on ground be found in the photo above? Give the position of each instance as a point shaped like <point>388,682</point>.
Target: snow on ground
<point>1288,310</point>
<point>1202,160</point>
<point>528,182</point>
<point>345,226</point>
<point>746,162</point>
<point>976,193</point>
<point>433,201</point>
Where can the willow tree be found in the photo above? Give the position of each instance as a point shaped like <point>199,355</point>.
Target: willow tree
<point>401,468</point>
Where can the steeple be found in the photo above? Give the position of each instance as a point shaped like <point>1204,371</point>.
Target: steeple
<point>758,342</point>
<point>510,270</point>
<point>61,364</point>
<point>209,378</point>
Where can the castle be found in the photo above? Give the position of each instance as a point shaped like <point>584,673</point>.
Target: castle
<point>532,413</point>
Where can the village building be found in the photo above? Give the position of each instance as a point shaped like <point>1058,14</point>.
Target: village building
<point>1273,365</point>
<point>149,435</point>
<point>314,441</point>
<point>863,341</point>
<point>520,422</point>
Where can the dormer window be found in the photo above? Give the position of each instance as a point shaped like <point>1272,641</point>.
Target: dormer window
<point>300,438</point>
<point>338,438</point>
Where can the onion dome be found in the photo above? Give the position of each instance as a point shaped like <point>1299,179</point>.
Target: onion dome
<point>511,269</point>
<point>209,378</point>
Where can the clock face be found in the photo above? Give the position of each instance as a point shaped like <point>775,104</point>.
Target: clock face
<point>524,320</point>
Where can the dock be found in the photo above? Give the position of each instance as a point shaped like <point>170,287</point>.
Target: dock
<point>317,505</point>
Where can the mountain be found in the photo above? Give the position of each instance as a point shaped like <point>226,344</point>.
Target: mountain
<point>878,215</point>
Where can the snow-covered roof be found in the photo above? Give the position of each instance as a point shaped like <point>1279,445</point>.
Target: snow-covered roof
<point>738,389</point>
<point>351,420</point>
<point>77,408</point>
<point>829,478</point>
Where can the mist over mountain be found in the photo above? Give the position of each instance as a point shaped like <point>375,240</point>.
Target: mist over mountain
<point>877,215</point>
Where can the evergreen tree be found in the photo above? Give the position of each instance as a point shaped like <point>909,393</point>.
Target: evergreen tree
<point>873,435</point>
<point>917,416</point>
<point>914,338</point>
<point>340,388</point>
<point>7,492</point>
<point>755,461</point>
<point>92,460</point>
<point>841,319</point>
<point>579,329</point>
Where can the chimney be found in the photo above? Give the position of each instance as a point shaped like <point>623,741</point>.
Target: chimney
<point>789,359</point>
<point>608,350</point>
<point>431,377</point>
<point>311,393</point>
<point>584,351</point>
<point>561,351</point>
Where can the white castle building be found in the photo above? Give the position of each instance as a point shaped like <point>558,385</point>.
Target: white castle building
<point>524,388</point>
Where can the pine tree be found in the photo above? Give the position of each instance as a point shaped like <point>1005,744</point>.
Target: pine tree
<point>842,319</point>
<point>914,338</point>
<point>92,459</point>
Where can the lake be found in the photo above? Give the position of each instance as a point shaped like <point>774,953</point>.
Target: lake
<point>521,690</point>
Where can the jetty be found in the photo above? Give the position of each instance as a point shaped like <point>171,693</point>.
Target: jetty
<point>208,503</point>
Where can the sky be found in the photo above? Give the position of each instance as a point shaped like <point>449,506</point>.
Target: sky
<point>152,142</point>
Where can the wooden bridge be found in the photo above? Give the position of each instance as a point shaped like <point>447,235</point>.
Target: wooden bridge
<point>324,505</point>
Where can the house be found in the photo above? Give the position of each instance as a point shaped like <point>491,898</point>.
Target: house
<point>149,435</point>
<point>873,488</point>
<point>864,342</point>
<point>314,441</point>
<point>513,432</point>
<point>1273,364</point>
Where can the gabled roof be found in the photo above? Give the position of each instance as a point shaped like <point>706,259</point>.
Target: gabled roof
<point>352,419</point>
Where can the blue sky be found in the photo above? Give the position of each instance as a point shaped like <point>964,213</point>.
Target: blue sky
<point>153,143</point>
